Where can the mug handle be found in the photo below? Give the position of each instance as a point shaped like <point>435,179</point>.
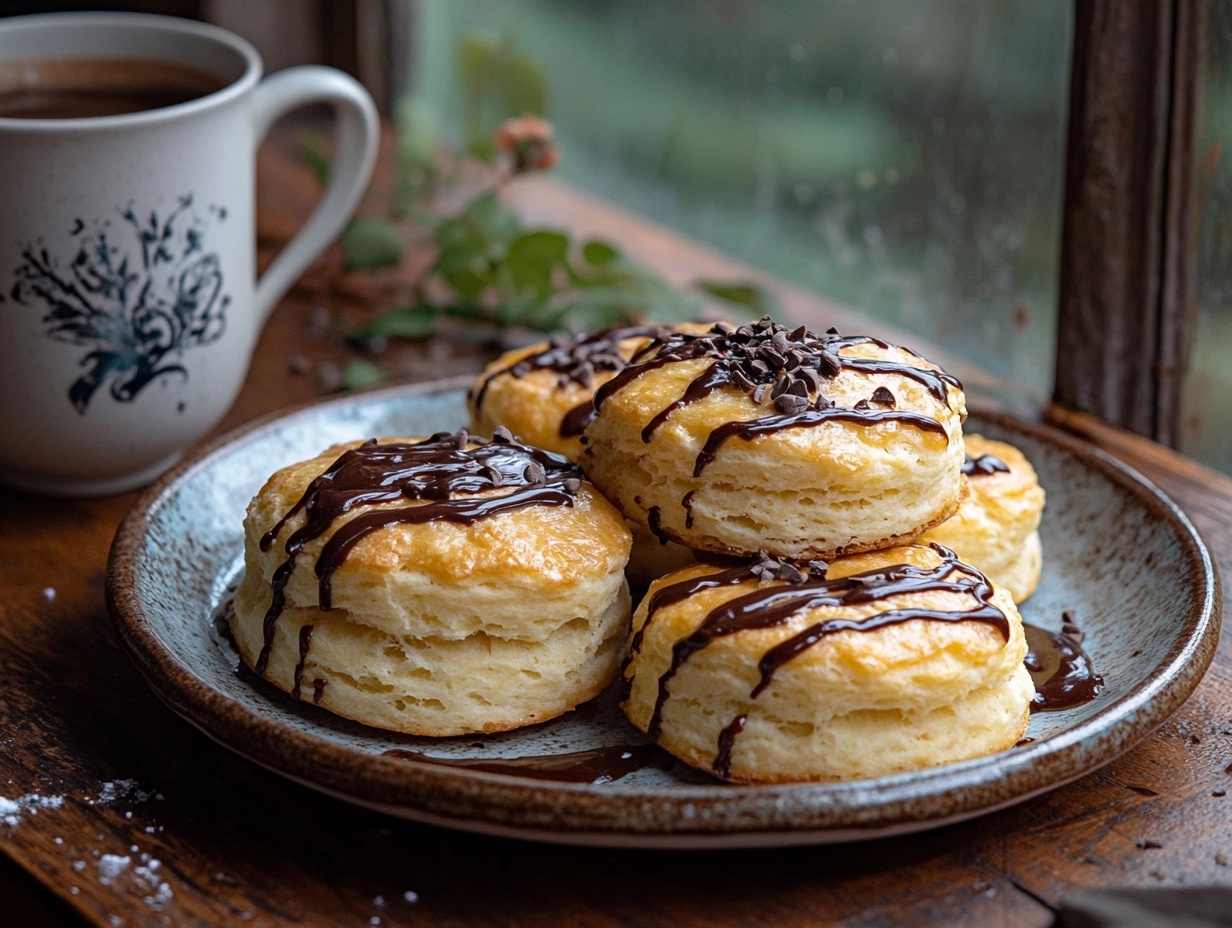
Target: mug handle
<point>358,137</point>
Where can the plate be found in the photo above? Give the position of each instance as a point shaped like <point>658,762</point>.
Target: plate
<point>1117,553</point>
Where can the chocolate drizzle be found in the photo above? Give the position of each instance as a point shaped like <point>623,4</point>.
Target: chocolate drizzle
<point>686,503</point>
<point>576,358</point>
<point>574,422</point>
<point>809,417</point>
<point>654,521</point>
<point>727,739</point>
<point>305,642</point>
<point>440,477</point>
<point>1059,667</point>
<point>599,765</point>
<point>985,465</point>
<point>765,359</point>
<point>772,606</point>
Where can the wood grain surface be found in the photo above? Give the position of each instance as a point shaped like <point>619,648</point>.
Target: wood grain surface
<point>132,817</point>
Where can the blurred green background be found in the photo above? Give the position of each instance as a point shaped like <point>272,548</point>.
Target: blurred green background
<point>1207,424</point>
<point>903,159</point>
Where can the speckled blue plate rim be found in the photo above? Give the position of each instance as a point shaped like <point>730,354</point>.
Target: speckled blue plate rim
<point>716,815</point>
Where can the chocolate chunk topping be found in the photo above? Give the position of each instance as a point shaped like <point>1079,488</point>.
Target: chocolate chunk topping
<point>792,366</point>
<point>790,403</point>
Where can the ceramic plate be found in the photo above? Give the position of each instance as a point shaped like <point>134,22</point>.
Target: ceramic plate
<point>1117,553</point>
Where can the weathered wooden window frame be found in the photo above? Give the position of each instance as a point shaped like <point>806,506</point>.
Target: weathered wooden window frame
<point>1126,307</point>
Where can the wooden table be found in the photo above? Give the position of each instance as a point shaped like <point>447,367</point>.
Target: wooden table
<point>129,816</point>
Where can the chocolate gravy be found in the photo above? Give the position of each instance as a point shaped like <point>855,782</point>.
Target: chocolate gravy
<point>441,474</point>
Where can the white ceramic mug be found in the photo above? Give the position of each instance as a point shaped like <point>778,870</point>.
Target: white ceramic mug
<point>129,303</point>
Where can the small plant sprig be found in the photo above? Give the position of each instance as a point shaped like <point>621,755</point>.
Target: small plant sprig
<point>490,267</point>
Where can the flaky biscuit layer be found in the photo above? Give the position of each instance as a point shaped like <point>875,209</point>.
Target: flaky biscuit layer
<point>819,491</point>
<point>443,628</point>
<point>853,704</point>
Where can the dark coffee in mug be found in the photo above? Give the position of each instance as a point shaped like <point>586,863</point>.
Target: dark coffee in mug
<point>72,88</point>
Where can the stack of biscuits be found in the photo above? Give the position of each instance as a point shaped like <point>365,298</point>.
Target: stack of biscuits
<point>830,569</point>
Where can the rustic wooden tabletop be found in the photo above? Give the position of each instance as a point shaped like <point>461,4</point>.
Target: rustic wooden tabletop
<point>126,815</point>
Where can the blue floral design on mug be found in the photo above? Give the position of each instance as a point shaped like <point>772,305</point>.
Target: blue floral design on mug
<point>138,304</point>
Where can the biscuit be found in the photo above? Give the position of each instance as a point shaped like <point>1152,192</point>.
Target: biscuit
<point>995,529</point>
<point>434,586</point>
<point>544,394</point>
<point>763,439</point>
<point>886,662</point>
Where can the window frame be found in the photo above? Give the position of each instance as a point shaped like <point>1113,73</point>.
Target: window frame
<point>1126,306</point>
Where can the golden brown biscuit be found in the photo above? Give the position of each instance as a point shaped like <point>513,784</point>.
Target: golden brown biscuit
<point>544,394</point>
<point>763,439</point>
<point>886,662</point>
<point>434,586</point>
<point>995,529</point>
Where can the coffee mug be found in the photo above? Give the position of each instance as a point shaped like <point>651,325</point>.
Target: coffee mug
<point>129,302</point>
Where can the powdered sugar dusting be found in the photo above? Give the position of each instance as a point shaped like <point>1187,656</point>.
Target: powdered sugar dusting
<point>12,811</point>
<point>133,874</point>
<point>111,866</point>
<point>113,790</point>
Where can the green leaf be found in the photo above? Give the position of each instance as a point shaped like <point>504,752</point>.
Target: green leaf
<point>371,243</point>
<point>533,257</point>
<point>492,219</point>
<point>359,374</point>
<point>404,322</point>
<point>459,242</point>
<point>748,297</point>
<point>597,253</point>
<point>465,311</point>
<point>466,281</point>
<point>463,258</point>
<point>312,146</point>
